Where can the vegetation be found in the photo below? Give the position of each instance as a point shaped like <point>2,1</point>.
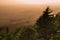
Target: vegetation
<point>47,27</point>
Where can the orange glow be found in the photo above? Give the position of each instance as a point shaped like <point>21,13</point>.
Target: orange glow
<point>30,1</point>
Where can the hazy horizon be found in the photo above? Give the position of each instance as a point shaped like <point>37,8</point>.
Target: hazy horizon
<point>30,2</point>
<point>12,12</point>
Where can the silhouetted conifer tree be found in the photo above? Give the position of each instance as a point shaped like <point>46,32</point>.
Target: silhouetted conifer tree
<point>44,18</point>
<point>45,23</point>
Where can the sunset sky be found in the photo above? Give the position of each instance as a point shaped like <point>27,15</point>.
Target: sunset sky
<point>23,12</point>
<point>30,2</point>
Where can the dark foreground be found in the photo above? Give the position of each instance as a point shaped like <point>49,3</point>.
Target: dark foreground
<point>47,27</point>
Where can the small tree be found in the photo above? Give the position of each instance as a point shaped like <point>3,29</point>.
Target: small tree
<point>44,18</point>
<point>45,24</point>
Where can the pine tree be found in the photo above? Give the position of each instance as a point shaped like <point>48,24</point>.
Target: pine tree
<point>44,24</point>
<point>44,18</point>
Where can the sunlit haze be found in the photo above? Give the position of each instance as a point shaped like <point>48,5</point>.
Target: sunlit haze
<point>24,12</point>
<point>29,2</point>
